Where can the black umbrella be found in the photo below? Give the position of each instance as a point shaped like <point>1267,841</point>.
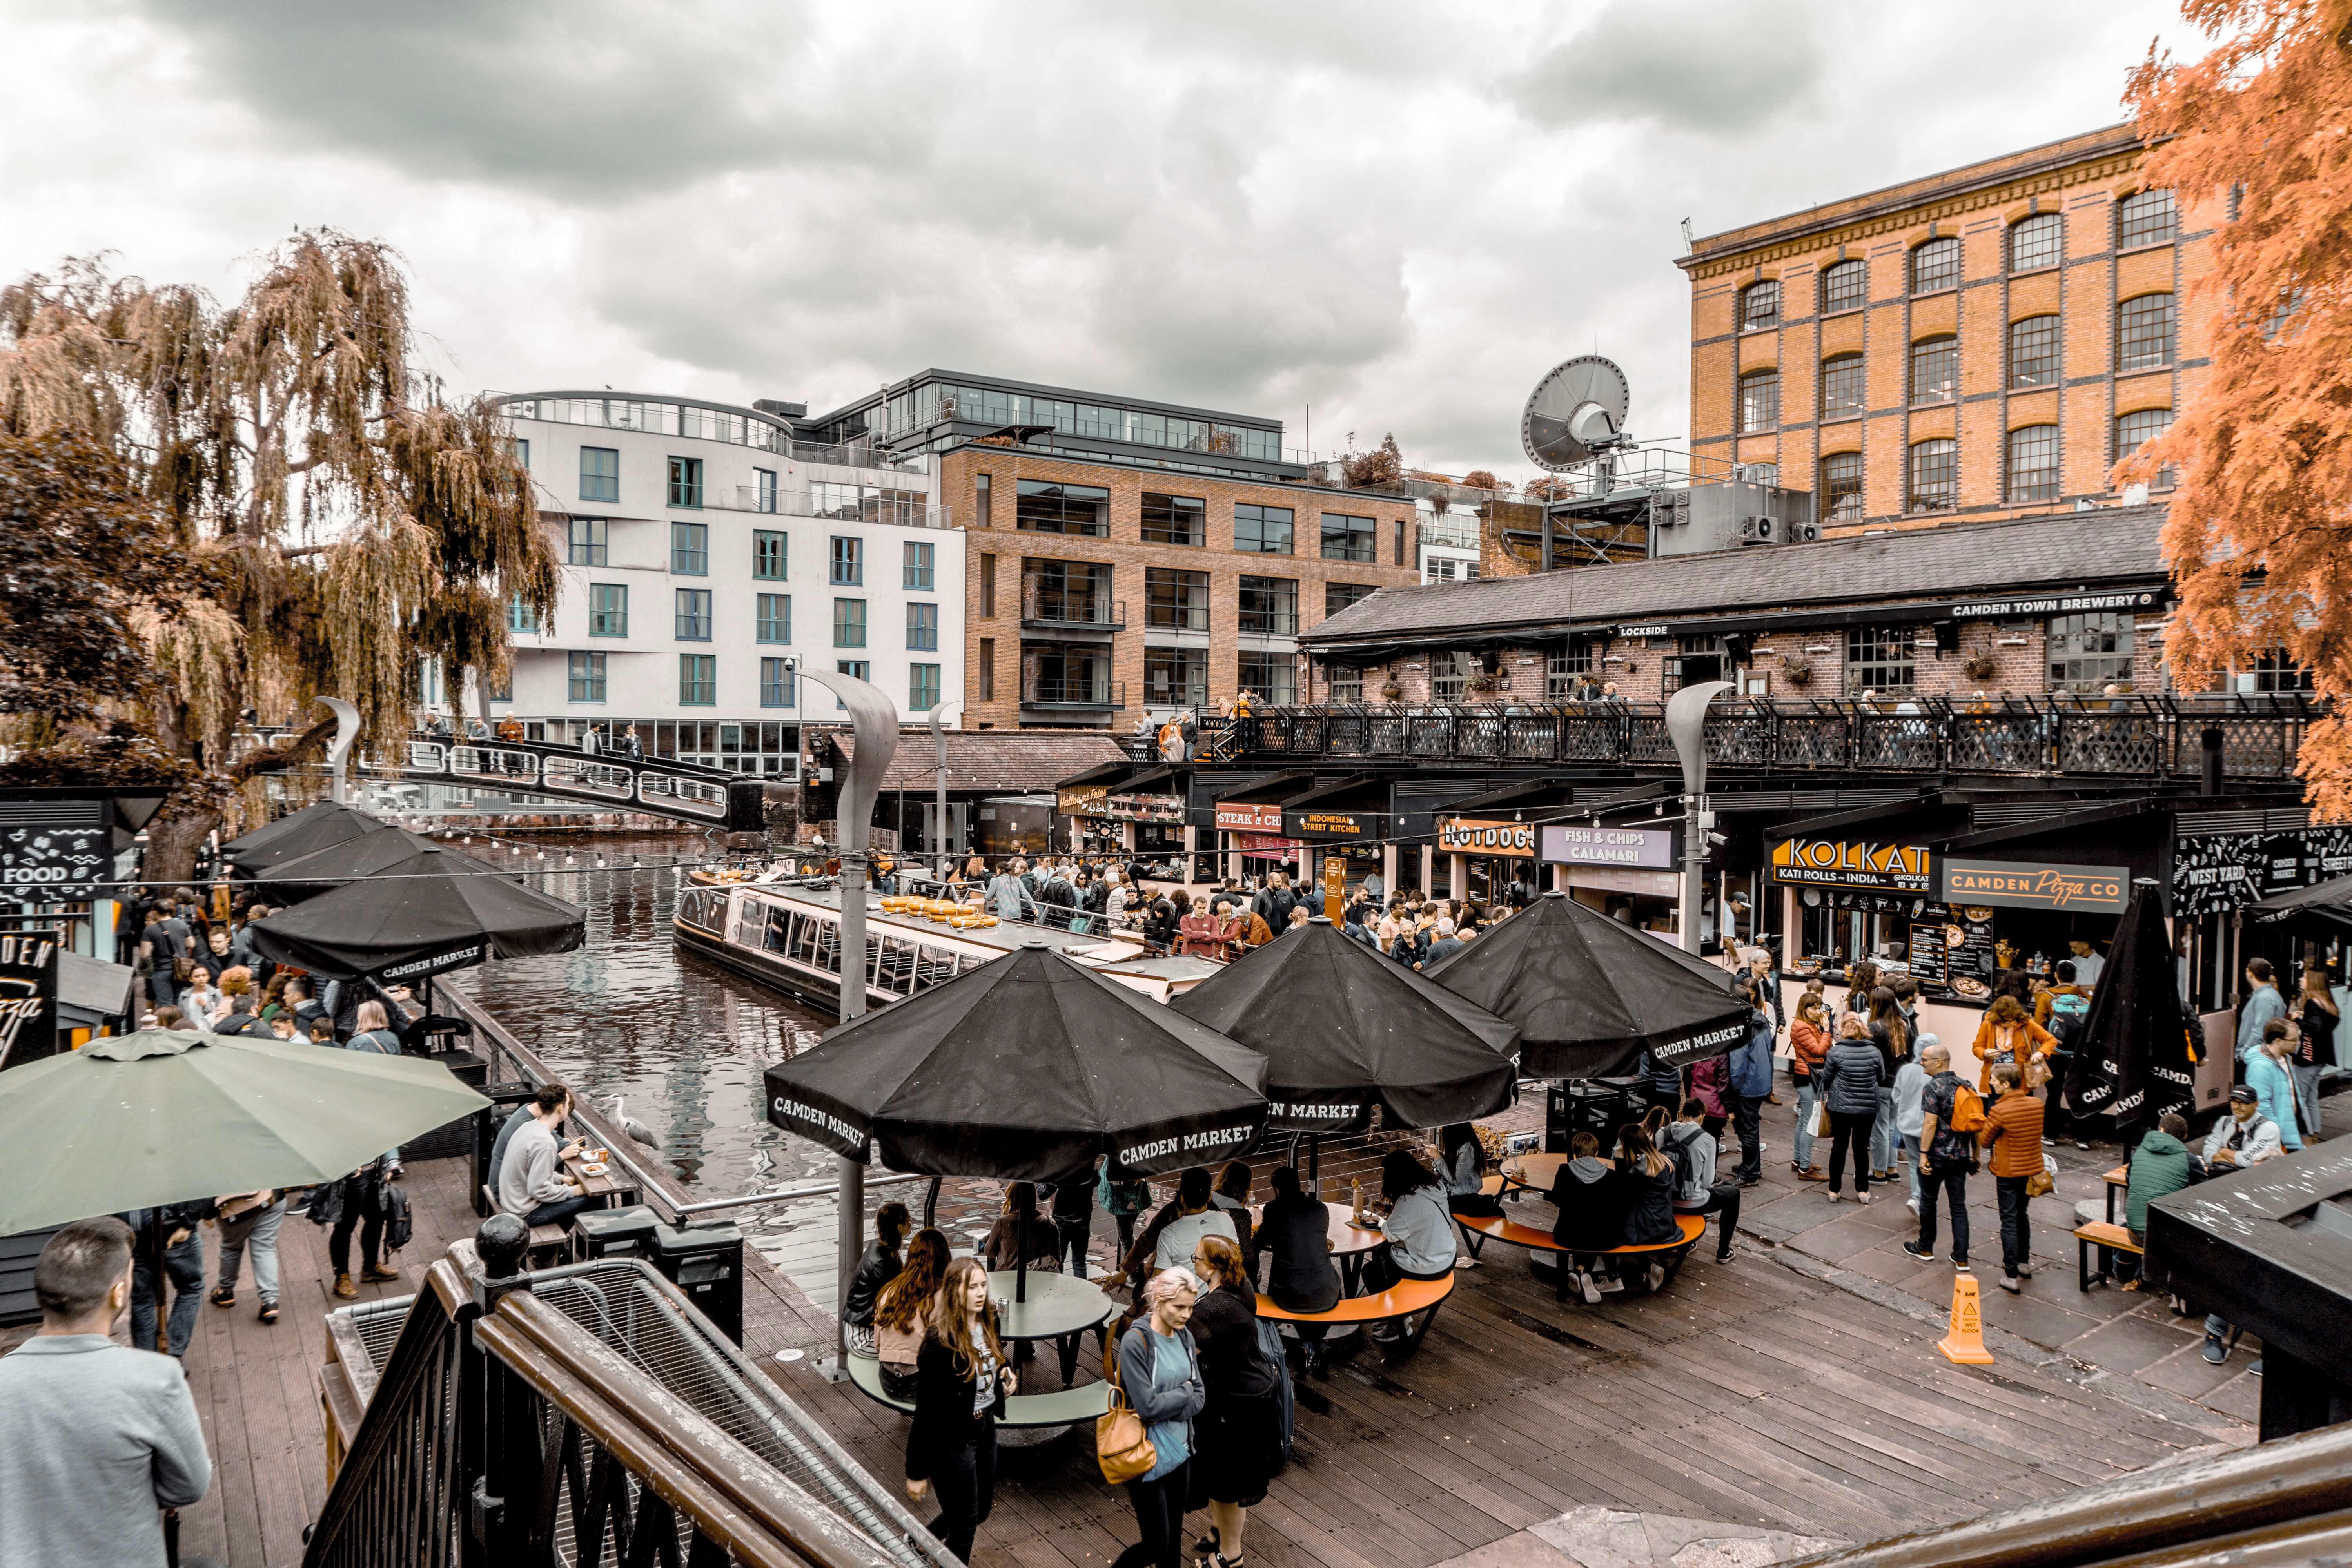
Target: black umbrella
<point>1024,1070</point>
<point>431,911</point>
<point>1344,1030</point>
<point>1590,994</point>
<point>2136,1058</point>
<point>300,832</point>
<point>324,870</point>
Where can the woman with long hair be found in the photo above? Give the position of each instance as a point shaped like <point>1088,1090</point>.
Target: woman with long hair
<point>1808,1046</point>
<point>1464,1160</point>
<point>1890,1031</point>
<point>1861,980</point>
<point>1850,1077</point>
<point>877,1267</point>
<point>1649,1194</point>
<point>2316,1017</point>
<point>900,1306</point>
<point>1159,1373</point>
<point>1419,1228</point>
<point>2009,1033</point>
<point>1240,1423</point>
<point>961,1381</point>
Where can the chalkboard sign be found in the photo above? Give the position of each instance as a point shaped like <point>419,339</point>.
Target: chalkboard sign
<point>1927,954</point>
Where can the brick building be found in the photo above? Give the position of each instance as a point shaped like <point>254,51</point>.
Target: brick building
<point>1125,556</point>
<point>1979,344</point>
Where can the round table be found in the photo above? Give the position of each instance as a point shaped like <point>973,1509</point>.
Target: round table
<point>1057,1308</point>
<point>1351,1244</point>
<point>1534,1172</point>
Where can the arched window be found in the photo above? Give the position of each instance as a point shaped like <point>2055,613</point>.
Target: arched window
<point>2033,353</point>
<point>2036,242</point>
<point>1935,369</point>
<point>1845,287</point>
<point>1935,265</point>
<point>2145,217</point>
<point>2034,463</point>
<point>1759,306</point>
<point>1842,487</point>
<point>1842,386</point>
<point>1935,476</point>
<point>2144,331</point>
<point>1759,400</point>
<point>2137,429</point>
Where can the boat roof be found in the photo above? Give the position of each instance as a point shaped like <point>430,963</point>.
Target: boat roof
<point>1007,935</point>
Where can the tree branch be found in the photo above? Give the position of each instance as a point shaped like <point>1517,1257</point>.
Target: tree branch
<point>265,760</point>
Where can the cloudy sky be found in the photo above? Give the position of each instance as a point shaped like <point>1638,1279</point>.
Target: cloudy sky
<point>1398,214</point>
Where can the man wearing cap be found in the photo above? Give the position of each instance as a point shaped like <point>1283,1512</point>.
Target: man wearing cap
<point>2244,1137</point>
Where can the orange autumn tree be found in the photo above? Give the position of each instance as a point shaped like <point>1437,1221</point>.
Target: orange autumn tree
<point>2260,532</point>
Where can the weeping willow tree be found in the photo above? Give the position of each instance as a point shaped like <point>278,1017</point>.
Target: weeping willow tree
<point>345,520</point>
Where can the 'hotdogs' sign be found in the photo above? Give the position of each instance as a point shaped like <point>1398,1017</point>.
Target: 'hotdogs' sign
<point>1468,836</point>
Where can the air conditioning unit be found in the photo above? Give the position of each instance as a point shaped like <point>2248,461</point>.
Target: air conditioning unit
<point>1757,529</point>
<point>1804,532</point>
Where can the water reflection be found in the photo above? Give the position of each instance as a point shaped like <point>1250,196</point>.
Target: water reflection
<point>680,1040</point>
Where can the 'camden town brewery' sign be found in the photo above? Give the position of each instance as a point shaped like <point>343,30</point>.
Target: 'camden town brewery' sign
<point>1844,863</point>
<point>1467,835</point>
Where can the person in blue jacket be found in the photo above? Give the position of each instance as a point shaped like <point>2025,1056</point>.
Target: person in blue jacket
<point>1751,1085</point>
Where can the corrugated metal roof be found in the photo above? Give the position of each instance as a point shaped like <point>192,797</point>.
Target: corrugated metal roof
<point>2112,544</point>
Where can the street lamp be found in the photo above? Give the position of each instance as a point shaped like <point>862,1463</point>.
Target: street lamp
<point>1686,728</point>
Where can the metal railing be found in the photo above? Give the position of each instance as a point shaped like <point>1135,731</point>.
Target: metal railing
<point>1042,691</point>
<point>1067,610</point>
<point>589,1416</point>
<point>614,779</point>
<point>2134,736</point>
<point>802,503</point>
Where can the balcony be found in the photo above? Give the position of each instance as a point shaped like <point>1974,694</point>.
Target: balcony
<point>801,503</point>
<point>1046,611</point>
<point>1064,692</point>
<point>1451,533</point>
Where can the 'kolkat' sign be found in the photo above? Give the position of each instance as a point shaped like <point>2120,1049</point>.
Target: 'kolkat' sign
<point>1466,836</point>
<point>1841,863</point>
<point>2016,885</point>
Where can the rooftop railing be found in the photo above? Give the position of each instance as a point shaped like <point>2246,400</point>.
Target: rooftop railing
<point>2146,738</point>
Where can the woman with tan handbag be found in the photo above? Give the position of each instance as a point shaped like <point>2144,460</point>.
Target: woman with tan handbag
<point>1159,1373</point>
<point>2009,1035</point>
<point>962,1378</point>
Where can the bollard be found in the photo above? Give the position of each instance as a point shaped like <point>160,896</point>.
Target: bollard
<point>500,1242</point>
<point>1963,1341</point>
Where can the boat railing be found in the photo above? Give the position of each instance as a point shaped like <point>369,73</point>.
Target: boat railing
<point>589,1415</point>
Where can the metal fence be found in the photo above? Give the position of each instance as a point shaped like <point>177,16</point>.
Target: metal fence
<point>2121,737</point>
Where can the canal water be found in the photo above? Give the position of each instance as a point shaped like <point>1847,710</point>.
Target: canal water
<point>679,1041</point>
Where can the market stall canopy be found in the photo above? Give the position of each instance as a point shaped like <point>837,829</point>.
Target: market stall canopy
<point>1343,1029</point>
<point>2330,901</point>
<point>169,1116</point>
<point>431,911</point>
<point>354,859</point>
<point>1590,994</point>
<point>1024,1069</point>
<point>2137,1055</point>
<point>304,832</point>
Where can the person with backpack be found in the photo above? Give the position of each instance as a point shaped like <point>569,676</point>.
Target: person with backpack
<point>1688,1143</point>
<point>2062,1009</point>
<point>1907,1100</point>
<point>1950,1116</point>
<point>376,1034</point>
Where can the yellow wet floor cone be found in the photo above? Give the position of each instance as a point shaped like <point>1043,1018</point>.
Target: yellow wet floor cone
<point>1964,1341</point>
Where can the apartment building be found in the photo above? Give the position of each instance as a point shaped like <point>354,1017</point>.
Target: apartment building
<point>713,552</point>
<point>1980,343</point>
<point>1125,556</point>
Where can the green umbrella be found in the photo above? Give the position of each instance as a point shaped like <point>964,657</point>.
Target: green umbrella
<point>168,1116</point>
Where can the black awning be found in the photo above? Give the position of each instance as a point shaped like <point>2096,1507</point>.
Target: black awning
<point>2330,901</point>
<point>420,916</point>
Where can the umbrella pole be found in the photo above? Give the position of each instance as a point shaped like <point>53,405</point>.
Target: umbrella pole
<point>932,1205</point>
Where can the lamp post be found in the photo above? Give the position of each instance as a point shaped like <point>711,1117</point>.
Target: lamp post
<point>1686,728</point>
<point>338,749</point>
<point>874,720</point>
<point>939,786</point>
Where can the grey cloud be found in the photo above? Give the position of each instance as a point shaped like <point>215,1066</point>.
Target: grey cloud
<point>1709,71</point>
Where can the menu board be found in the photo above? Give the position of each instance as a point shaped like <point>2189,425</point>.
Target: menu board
<point>1970,961</point>
<point>1928,953</point>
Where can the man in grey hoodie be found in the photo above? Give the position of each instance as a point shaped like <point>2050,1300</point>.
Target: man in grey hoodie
<point>95,1439</point>
<point>1688,1143</point>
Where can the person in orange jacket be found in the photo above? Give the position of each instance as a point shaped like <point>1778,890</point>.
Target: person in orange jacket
<point>1809,1045</point>
<point>2007,1035</point>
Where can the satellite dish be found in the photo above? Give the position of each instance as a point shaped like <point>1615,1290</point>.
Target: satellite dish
<point>1576,411</point>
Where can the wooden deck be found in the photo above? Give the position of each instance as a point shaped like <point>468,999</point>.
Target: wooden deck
<point>1795,1389</point>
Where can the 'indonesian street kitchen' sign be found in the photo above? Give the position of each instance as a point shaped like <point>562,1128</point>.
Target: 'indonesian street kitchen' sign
<point>1468,836</point>
<point>2020,886</point>
<point>1843,863</point>
<point>1583,843</point>
<point>1331,823</point>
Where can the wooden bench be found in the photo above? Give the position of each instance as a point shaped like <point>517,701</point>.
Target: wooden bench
<point>2109,1239</point>
<point>2118,1183</point>
<point>1398,1301</point>
<point>1059,1408</point>
<point>1478,1232</point>
<point>550,1243</point>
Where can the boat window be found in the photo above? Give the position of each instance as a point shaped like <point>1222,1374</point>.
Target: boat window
<point>894,966</point>
<point>933,966</point>
<point>780,927</point>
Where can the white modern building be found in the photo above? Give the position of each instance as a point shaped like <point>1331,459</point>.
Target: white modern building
<point>711,554</point>
<point>1449,542</point>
